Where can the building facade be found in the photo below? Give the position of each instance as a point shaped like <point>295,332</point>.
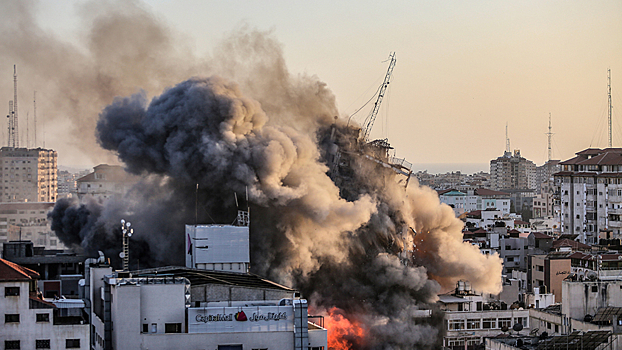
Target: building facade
<point>512,172</point>
<point>29,222</point>
<point>591,194</point>
<point>106,181</point>
<point>31,322</point>
<point>28,175</point>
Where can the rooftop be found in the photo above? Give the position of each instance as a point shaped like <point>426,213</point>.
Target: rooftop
<point>199,277</point>
<point>10,272</point>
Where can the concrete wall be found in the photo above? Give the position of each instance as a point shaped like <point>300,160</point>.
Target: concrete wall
<point>254,340</point>
<point>582,298</point>
<point>216,292</point>
<point>162,304</point>
<point>555,272</point>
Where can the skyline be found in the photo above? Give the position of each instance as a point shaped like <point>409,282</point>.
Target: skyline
<point>463,70</point>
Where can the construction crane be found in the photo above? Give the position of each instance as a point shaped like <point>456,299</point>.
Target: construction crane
<point>371,118</point>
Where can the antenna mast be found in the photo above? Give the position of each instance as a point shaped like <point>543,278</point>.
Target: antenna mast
<point>371,118</point>
<point>35,116</point>
<point>549,135</point>
<point>610,107</point>
<point>507,139</point>
<point>15,129</point>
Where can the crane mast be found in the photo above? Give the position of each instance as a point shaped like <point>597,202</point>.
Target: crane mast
<point>371,118</point>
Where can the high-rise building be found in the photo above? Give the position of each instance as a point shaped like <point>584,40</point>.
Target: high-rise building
<point>28,175</point>
<point>591,194</point>
<point>512,172</point>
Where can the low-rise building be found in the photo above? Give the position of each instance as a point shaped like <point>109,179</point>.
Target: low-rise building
<point>163,308</point>
<point>469,319</point>
<point>31,322</point>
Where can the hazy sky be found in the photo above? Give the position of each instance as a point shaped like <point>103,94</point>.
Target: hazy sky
<point>464,68</point>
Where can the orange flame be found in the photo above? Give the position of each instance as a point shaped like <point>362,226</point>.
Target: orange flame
<point>343,334</point>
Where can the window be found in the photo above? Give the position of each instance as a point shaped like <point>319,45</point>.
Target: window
<point>145,327</point>
<point>594,289</point>
<point>72,343</point>
<point>11,318</point>
<point>11,344</point>
<point>473,324</point>
<point>453,325</point>
<point>172,328</point>
<point>42,344</point>
<point>43,317</point>
<point>11,291</point>
<point>505,322</point>
<point>521,320</point>
<point>489,323</point>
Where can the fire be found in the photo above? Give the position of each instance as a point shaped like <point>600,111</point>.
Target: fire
<point>343,334</point>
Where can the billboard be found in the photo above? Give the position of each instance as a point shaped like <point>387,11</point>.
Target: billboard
<point>241,319</point>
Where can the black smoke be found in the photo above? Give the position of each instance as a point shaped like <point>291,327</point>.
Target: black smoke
<point>326,218</point>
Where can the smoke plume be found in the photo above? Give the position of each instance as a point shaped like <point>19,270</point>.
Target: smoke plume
<point>326,217</point>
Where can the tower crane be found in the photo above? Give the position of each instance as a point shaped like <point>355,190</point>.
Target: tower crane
<point>371,118</point>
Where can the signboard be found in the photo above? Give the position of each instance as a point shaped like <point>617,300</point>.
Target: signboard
<point>241,319</point>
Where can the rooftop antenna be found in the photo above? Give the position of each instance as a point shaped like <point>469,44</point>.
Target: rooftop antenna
<point>196,206</point>
<point>9,124</point>
<point>15,129</point>
<point>610,106</point>
<point>507,138</point>
<point>34,101</point>
<point>125,254</point>
<point>549,134</point>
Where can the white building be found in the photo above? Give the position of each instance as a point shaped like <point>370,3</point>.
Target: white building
<point>470,318</point>
<point>200,309</point>
<point>29,321</point>
<point>218,247</point>
<point>478,199</point>
<point>591,193</point>
<point>28,175</point>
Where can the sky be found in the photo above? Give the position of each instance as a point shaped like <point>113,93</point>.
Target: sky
<point>465,69</point>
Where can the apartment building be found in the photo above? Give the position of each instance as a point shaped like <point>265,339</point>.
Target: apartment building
<point>591,194</point>
<point>28,175</point>
<point>512,172</point>
<point>106,181</point>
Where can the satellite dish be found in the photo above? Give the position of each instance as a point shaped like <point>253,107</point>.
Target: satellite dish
<point>122,222</point>
<point>128,224</point>
<point>131,232</point>
<point>122,255</point>
<point>517,327</point>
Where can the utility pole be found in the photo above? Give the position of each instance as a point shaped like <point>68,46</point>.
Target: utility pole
<point>610,106</point>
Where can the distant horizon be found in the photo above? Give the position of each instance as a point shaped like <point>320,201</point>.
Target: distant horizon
<point>442,168</point>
